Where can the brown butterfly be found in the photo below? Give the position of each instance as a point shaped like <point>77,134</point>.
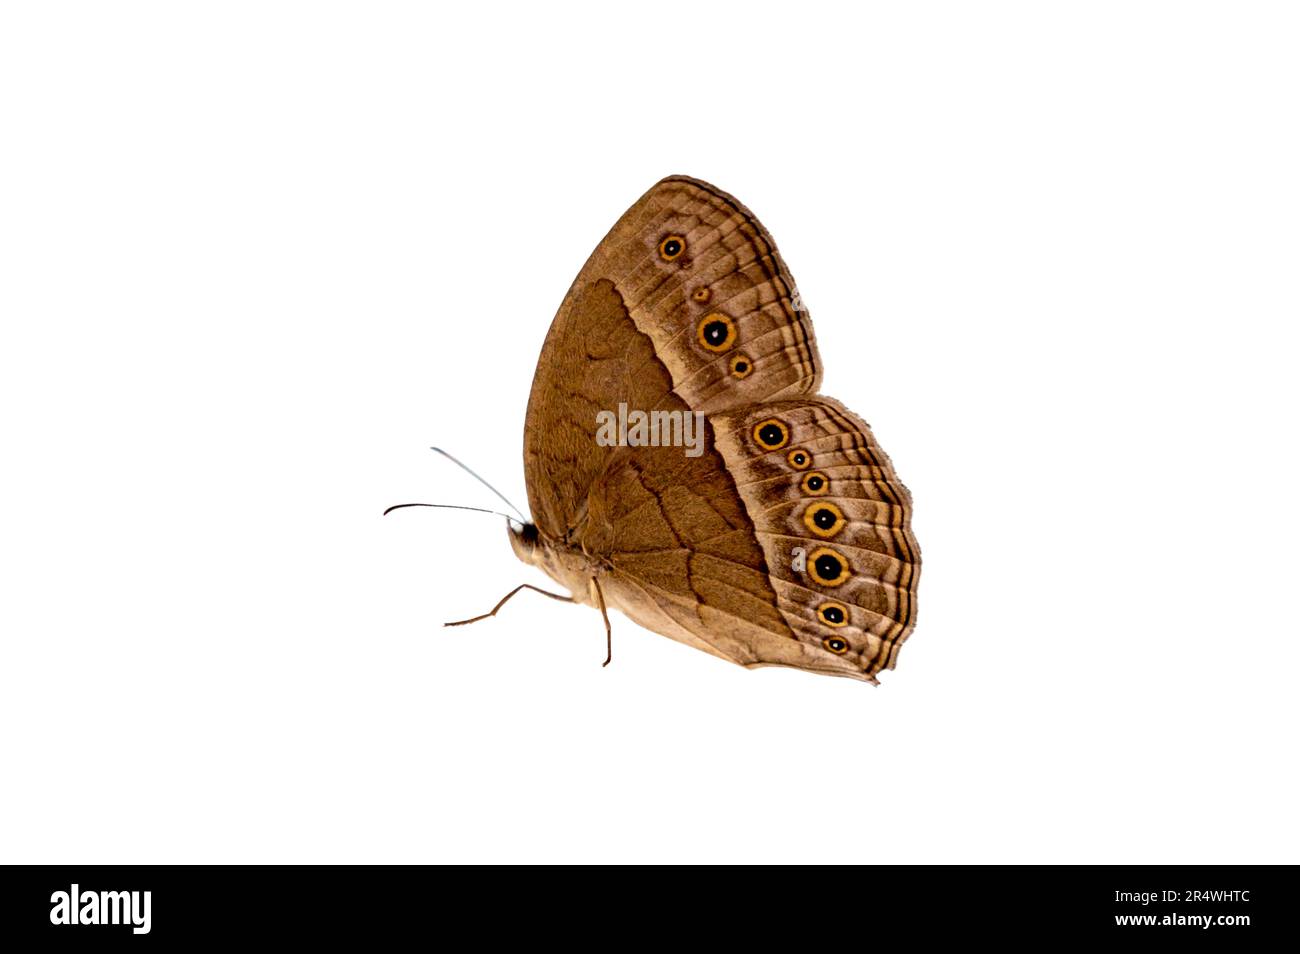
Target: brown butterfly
<point>773,534</point>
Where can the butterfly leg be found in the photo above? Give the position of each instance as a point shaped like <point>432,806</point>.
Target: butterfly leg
<point>504,599</point>
<point>609,637</point>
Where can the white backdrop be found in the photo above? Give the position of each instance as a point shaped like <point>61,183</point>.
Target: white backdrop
<point>256,258</point>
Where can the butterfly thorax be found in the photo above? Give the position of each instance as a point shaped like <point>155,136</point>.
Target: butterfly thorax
<point>567,565</point>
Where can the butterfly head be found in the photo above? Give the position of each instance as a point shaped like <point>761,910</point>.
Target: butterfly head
<point>523,540</point>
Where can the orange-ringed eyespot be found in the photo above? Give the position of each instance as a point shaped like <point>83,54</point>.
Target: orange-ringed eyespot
<point>702,294</point>
<point>828,567</point>
<point>815,483</point>
<point>717,332</point>
<point>671,247</point>
<point>833,614</point>
<point>741,366</point>
<point>771,434</point>
<point>836,645</point>
<point>824,519</point>
<point>799,458</point>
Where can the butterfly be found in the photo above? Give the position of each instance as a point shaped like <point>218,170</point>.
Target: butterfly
<point>768,528</point>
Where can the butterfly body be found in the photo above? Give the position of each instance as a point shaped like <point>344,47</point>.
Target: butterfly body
<point>782,535</point>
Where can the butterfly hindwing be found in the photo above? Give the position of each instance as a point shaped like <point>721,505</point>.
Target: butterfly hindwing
<point>834,522</point>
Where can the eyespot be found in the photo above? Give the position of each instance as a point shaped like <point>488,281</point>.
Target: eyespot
<point>717,332</point>
<point>836,645</point>
<point>771,434</point>
<point>799,458</point>
<point>833,614</point>
<point>815,483</point>
<point>741,366</point>
<point>671,247</point>
<point>824,519</point>
<point>828,567</point>
<point>702,294</point>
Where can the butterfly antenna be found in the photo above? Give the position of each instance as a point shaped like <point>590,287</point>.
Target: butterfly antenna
<point>450,507</point>
<point>467,470</point>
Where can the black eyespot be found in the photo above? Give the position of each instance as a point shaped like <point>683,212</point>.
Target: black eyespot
<point>834,614</point>
<point>671,247</point>
<point>772,434</point>
<point>741,367</point>
<point>798,458</point>
<point>815,483</point>
<point>836,645</point>
<point>824,520</point>
<point>717,332</point>
<point>828,567</point>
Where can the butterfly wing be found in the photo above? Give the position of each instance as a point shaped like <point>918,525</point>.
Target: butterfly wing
<point>817,568</point>
<point>680,553</point>
<point>594,358</point>
<point>684,303</point>
<point>702,278</point>
<point>834,523</point>
<point>746,551</point>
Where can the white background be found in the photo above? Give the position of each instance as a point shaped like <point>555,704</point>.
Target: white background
<point>255,258</point>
